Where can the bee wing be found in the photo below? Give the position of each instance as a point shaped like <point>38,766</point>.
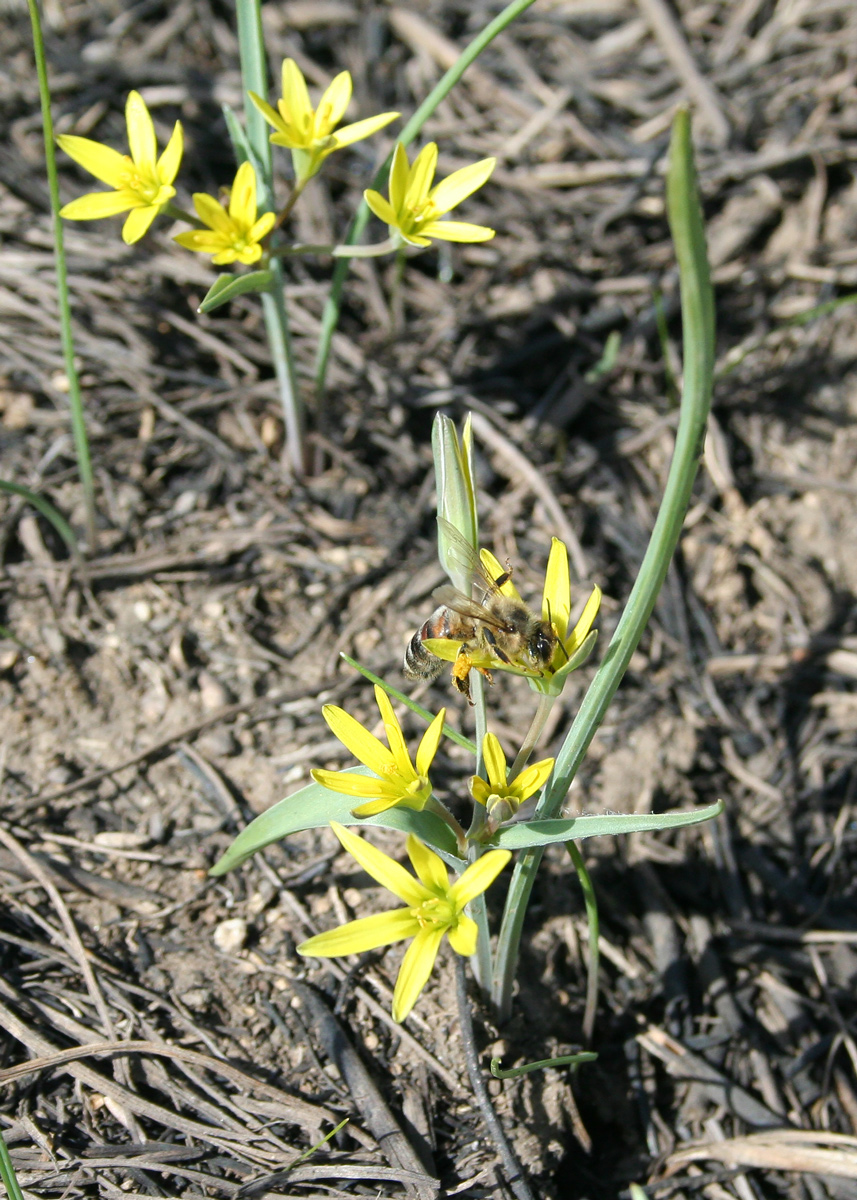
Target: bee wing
<point>451,597</point>
<point>461,554</point>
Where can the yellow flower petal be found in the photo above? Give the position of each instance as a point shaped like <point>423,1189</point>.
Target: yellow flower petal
<point>170,160</point>
<point>262,227</point>
<point>397,186</point>
<point>374,807</point>
<point>270,114</point>
<point>428,866</point>
<point>480,789</point>
<point>381,867</point>
<point>556,597</point>
<point>296,99</point>
<point>421,176</point>
<point>460,184</point>
<point>349,784</point>
<point>492,566</point>
<point>464,937</point>
<point>96,205</point>
<point>531,779</point>
<point>138,221</point>
<point>429,743</point>
<point>332,105</point>
<point>583,626</point>
<point>457,231</point>
<point>379,206</point>
<point>349,134</point>
<point>479,876</point>
<point>202,241</point>
<point>363,745</point>
<point>415,969</point>
<point>395,737</point>
<point>232,254</point>
<point>212,213</point>
<point>105,164</point>
<point>141,134</point>
<point>368,933</point>
<point>242,198</point>
<point>495,760</point>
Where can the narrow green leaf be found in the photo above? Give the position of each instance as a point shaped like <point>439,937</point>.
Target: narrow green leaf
<point>45,508</point>
<point>564,1060</point>
<point>227,287</point>
<point>7,1173</point>
<point>314,807</point>
<point>75,399</point>
<point>456,497</point>
<point>545,833</point>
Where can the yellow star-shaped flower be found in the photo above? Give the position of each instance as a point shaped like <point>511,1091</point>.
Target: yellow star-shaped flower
<point>500,796</point>
<point>233,234</point>
<point>310,132</point>
<point>414,209</point>
<point>141,182</point>
<point>399,781</point>
<point>433,908</point>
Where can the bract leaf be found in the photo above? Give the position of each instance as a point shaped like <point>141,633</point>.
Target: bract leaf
<point>227,287</point>
<point>314,807</point>
<point>542,833</point>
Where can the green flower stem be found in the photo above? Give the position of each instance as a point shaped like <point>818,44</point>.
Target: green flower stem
<point>181,214</point>
<point>330,317</point>
<point>540,716</point>
<point>591,903</point>
<point>376,250</point>
<point>286,210</point>
<point>254,78</point>
<point>434,805</point>
<point>697,307</point>
<point>397,297</point>
<point>75,400</point>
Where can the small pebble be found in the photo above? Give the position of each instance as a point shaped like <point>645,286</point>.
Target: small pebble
<point>212,692</point>
<point>230,936</point>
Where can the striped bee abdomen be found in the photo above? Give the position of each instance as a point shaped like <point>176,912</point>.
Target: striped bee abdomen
<point>420,663</point>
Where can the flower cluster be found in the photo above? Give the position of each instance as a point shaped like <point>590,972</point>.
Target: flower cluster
<point>435,907</point>
<point>142,182</point>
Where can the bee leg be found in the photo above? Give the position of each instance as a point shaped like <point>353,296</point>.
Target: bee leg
<point>461,669</point>
<point>495,649</point>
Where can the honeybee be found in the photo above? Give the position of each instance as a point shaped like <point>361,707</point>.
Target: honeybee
<point>495,626</point>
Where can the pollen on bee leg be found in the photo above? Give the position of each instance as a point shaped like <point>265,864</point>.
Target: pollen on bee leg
<point>461,669</point>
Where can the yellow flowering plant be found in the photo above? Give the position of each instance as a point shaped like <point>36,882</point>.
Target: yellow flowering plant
<point>414,210</point>
<point>393,783</point>
<point>141,181</point>
<point>234,234</point>
<point>311,133</point>
<point>433,908</point>
<point>395,790</point>
<point>248,229</point>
